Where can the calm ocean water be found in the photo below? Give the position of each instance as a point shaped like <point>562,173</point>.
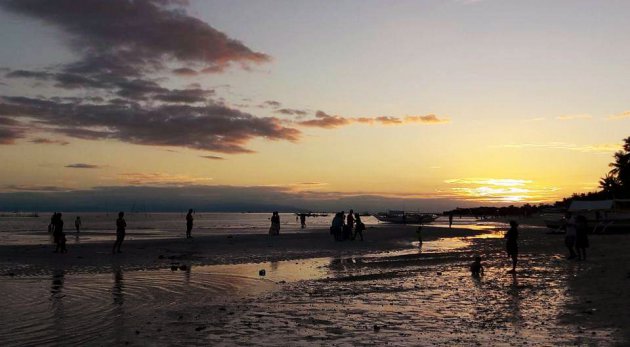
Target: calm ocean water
<point>101,226</point>
<point>97,227</point>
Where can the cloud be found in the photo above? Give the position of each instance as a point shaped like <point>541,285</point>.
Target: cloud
<point>594,148</point>
<point>158,178</point>
<point>270,103</point>
<point>212,157</point>
<point>43,140</point>
<point>623,115</point>
<point>121,46</point>
<point>185,71</point>
<point>82,166</point>
<point>574,117</point>
<point>292,112</point>
<point>32,188</point>
<point>324,120</point>
<point>208,127</point>
<point>500,190</point>
<point>216,198</point>
<point>139,34</point>
<point>10,130</point>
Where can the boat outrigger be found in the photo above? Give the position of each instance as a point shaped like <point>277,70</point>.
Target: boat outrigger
<point>402,217</point>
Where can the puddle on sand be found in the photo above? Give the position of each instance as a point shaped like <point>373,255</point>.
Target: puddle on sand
<point>53,309</point>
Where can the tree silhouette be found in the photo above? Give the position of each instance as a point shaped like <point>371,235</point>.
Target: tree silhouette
<point>617,181</point>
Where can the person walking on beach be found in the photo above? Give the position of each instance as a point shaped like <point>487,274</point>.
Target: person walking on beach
<point>450,220</point>
<point>419,235</point>
<point>581,237</point>
<point>358,229</point>
<point>303,220</point>
<point>511,245</point>
<point>571,233</point>
<point>77,224</point>
<point>121,225</point>
<point>275,224</point>
<point>58,235</point>
<point>189,223</point>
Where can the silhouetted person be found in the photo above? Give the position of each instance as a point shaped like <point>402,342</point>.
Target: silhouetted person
<point>189,223</point>
<point>58,234</point>
<point>347,230</point>
<point>511,244</point>
<point>450,220</point>
<point>419,235</point>
<point>476,269</point>
<point>77,224</point>
<point>302,220</point>
<point>358,229</point>
<point>337,225</point>
<point>121,225</point>
<point>581,238</point>
<point>51,226</point>
<point>404,218</point>
<point>571,234</point>
<point>275,224</point>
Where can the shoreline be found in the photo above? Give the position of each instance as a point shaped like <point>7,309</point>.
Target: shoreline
<point>435,300</point>
<point>215,249</point>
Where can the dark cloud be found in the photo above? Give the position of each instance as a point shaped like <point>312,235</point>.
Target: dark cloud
<point>10,130</point>
<point>212,157</point>
<point>324,120</point>
<point>82,166</point>
<point>209,127</point>
<point>185,71</point>
<point>185,95</point>
<point>43,140</point>
<point>32,188</point>
<point>121,46</point>
<point>214,198</point>
<point>291,112</point>
<point>270,103</point>
<point>125,36</point>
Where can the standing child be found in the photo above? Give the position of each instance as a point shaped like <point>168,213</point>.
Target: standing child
<point>189,223</point>
<point>121,225</point>
<point>511,245</point>
<point>77,224</point>
<point>476,269</point>
<point>358,229</point>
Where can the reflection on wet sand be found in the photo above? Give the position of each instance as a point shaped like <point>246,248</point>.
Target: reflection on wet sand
<point>117,314</point>
<point>56,298</point>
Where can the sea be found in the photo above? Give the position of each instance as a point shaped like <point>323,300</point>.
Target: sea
<point>101,226</point>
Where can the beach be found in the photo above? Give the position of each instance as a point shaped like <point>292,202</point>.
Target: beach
<point>210,290</point>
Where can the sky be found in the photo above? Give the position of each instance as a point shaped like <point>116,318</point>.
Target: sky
<point>423,105</point>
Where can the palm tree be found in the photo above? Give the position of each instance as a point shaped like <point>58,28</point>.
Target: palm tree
<point>620,172</point>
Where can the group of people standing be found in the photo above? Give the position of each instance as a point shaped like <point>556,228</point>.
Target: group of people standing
<point>576,238</point>
<point>342,227</point>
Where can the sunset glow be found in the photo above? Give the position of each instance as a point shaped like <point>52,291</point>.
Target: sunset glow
<point>322,103</point>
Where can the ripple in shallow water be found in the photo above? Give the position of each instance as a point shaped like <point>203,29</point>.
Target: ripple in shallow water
<point>93,308</point>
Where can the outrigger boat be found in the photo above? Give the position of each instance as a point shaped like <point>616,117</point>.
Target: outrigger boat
<point>602,216</point>
<point>402,217</point>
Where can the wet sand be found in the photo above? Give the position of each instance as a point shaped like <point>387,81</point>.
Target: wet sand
<point>385,290</point>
